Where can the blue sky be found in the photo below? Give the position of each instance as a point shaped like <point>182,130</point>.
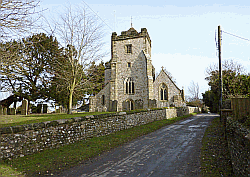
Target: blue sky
<point>182,32</point>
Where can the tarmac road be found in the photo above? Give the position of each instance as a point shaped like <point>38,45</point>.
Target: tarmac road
<point>172,151</point>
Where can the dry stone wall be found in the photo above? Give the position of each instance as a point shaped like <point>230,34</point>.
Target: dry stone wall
<point>18,141</point>
<point>238,138</point>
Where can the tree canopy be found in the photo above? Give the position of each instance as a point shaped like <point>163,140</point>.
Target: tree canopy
<point>236,83</point>
<point>26,71</point>
<point>38,66</point>
<point>96,77</point>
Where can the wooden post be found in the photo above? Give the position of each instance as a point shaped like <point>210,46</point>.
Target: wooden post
<point>220,72</point>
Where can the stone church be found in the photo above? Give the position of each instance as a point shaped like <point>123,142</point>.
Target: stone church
<point>130,81</point>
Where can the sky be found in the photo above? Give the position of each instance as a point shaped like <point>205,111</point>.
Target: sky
<point>182,32</point>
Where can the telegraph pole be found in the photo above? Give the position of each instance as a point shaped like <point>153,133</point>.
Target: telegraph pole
<point>220,72</point>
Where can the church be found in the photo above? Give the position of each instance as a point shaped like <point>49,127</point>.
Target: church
<point>130,81</point>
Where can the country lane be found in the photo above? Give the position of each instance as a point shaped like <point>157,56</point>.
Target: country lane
<point>172,151</point>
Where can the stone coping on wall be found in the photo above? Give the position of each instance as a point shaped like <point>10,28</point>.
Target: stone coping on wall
<point>37,126</point>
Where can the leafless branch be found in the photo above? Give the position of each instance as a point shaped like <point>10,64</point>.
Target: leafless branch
<point>193,90</point>
<point>227,65</point>
<point>16,16</point>
<point>81,35</point>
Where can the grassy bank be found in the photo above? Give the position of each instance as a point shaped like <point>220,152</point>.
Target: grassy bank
<point>13,120</point>
<point>215,157</point>
<point>54,160</point>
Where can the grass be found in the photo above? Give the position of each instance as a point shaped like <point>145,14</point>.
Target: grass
<point>13,120</point>
<point>51,161</point>
<point>215,156</point>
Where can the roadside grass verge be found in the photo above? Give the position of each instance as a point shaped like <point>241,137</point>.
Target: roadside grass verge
<point>13,120</point>
<point>52,161</point>
<point>215,156</point>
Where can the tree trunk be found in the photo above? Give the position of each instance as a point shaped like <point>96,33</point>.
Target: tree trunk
<point>70,101</point>
<point>71,96</point>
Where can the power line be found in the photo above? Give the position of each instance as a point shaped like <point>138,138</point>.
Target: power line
<point>236,36</point>
<point>97,15</point>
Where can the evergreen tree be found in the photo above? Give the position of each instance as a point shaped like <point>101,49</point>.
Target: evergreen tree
<point>96,75</point>
<point>235,84</point>
<point>27,72</point>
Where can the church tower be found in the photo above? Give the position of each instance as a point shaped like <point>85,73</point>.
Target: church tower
<point>130,81</point>
<point>130,72</point>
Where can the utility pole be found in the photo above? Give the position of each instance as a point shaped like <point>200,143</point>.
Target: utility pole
<point>220,72</point>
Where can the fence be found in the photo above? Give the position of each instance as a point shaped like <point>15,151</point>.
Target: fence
<point>240,107</point>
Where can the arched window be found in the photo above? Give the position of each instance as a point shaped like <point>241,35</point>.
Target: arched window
<point>103,99</point>
<point>130,104</point>
<point>129,86</point>
<point>129,48</point>
<point>163,92</point>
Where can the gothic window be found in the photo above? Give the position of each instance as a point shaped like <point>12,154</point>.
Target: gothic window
<point>129,64</point>
<point>103,99</point>
<point>130,86</point>
<point>130,104</point>
<point>129,48</point>
<point>163,92</point>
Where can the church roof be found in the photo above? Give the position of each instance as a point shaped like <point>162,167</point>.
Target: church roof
<point>162,71</point>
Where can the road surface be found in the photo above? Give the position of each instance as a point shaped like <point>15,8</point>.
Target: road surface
<point>172,151</point>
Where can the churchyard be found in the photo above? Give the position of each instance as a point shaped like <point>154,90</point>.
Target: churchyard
<point>13,120</point>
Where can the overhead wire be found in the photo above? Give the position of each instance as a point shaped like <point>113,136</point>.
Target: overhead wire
<point>236,35</point>
<point>97,15</point>
<point>231,35</point>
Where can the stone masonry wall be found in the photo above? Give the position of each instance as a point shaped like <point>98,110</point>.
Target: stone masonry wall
<point>96,101</point>
<point>137,71</point>
<point>238,138</point>
<point>18,141</point>
<point>173,91</point>
<point>124,65</point>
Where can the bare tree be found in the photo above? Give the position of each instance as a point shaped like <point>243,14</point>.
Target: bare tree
<point>15,16</point>
<point>81,34</point>
<point>193,90</point>
<point>227,65</point>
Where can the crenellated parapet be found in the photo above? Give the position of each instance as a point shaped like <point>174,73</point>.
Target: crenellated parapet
<point>130,34</point>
